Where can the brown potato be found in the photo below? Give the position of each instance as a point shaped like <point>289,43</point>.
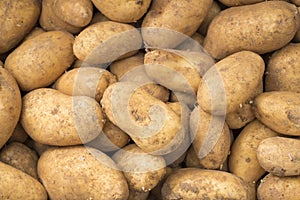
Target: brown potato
<point>297,35</point>
<point>34,32</point>
<point>38,147</point>
<point>15,24</point>
<point>225,35</point>
<point>191,159</point>
<point>189,99</point>
<point>98,17</point>
<point>279,111</point>
<point>38,62</point>
<point>212,13</point>
<point>296,2</point>
<point>280,156</point>
<point>81,173</point>
<point>18,135</point>
<point>244,2</point>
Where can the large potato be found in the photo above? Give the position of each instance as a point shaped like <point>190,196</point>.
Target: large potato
<point>168,23</point>
<point>192,183</point>
<point>283,71</point>
<point>15,184</point>
<point>230,82</point>
<point>261,28</point>
<point>280,156</point>
<point>10,105</point>
<point>81,173</point>
<point>280,111</point>
<point>53,118</point>
<point>17,18</point>
<point>38,62</point>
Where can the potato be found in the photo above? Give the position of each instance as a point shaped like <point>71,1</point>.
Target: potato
<point>106,41</point>
<point>296,2</point>
<point>280,156</point>
<point>127,11</point>
<point>297,35</point>
<point>53,118</point>
<point>1,63</point>
<point>85,81</point>
<point>38,147</point>
<point>242,160</point>
<point>281,188</point>
<point>141,170</point>
<point>211,138</point>
<point>136,195</point>
<point>194,43</point>
<point>38,62</point>
<point>111,138</point>
<point>283,71</point>
<point>21,157</point>
<point>191,159</point>
<point>214,10</point>
<point>225,35</point>
<point>226,85</point>
<point>98,17</point>
<point>34,32</point>
<point>15,24</point>
<point>243,2</point>
<point>18,135</point>
<point>279,110</point>
<point>193,183</point>
<point>168,23</point>
<point>189,99</point>
<point>81,173</point>
<point>10,105</point>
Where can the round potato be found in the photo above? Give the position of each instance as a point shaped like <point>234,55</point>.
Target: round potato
<point>19,134</point>
<point>53,118</point>
<point>259,21</point>
<point>10,105</point>
<point>38,62</point>
<point>15,24</point>
<point>280,156</point>
<point>280,111</point>
<point>81,173</point>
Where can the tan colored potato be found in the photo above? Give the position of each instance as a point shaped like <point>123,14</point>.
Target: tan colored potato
<point>168,23</point>
<point>38,62</point>
<point>34,32</point>
<point>38,147</point>
<point>98,17</point>
<point>279,111</point>
<point>244,2</point>
<point>242,160</point>
<point>226,85</point>
<point>81,173</point>
<point>53,118</point>
<point>18,135</point>
<point>212,13</point>
<point>279,188</point>
<point>85,81</point>
<point>283,71</point>
<point>280,156</point>
<point>107,41</point>
<point>137,195</point>
<point>252,27</point>
<point>17,19</point>
<point>21,157</point>
<point>122,10</point>
<point>193,183</point>
<point>189,99</point>
<point>10,105</point>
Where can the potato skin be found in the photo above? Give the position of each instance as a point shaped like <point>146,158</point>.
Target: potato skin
<point>81,173</point>
<point>283,71</point>
<point>38,62</point>
<point>192,183</point>
<point>10,105</point>
<point>14,24</point>
<point>225,35</point>
<point>14,182</point>
<point>280,156</point>
<point>53,118</point>
<point>279,110</point>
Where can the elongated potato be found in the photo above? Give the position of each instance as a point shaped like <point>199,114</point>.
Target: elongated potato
<point>81,173</point>
<point>280,111</point>
<point>225,35</point>
<point>244,2</point>
<point>280,156</point>
<point>192,183</point>
<point>53,118</point>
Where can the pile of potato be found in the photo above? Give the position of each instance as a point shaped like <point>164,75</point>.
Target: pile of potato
<point>141,99</point>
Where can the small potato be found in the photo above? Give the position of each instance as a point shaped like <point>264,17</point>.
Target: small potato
<point>98,17</point>
<point>212,13</point>
<point>81,173</point>
<point>19,134</point>
<point>127,11</point>
<point>252,28</point>
<point>15,24</point>
<point>10,105</point>
<point>38,62</point>
<point>279,188</point>
<point>189,99</point>
<point>296,2</point>
<point>193,183</point>
<point>191,159</point>
<point>279,111</point>
<point>34,32</point>
<point>137,195</point>
<point>53,118</point>
<point>280,156</point>
<point>21,157</point>
<point>194,43</point>
<point>38,147</point>
<point>226,85</point>
<point>283,71</point>
<point>14,182</point>
<point>107,41</point>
